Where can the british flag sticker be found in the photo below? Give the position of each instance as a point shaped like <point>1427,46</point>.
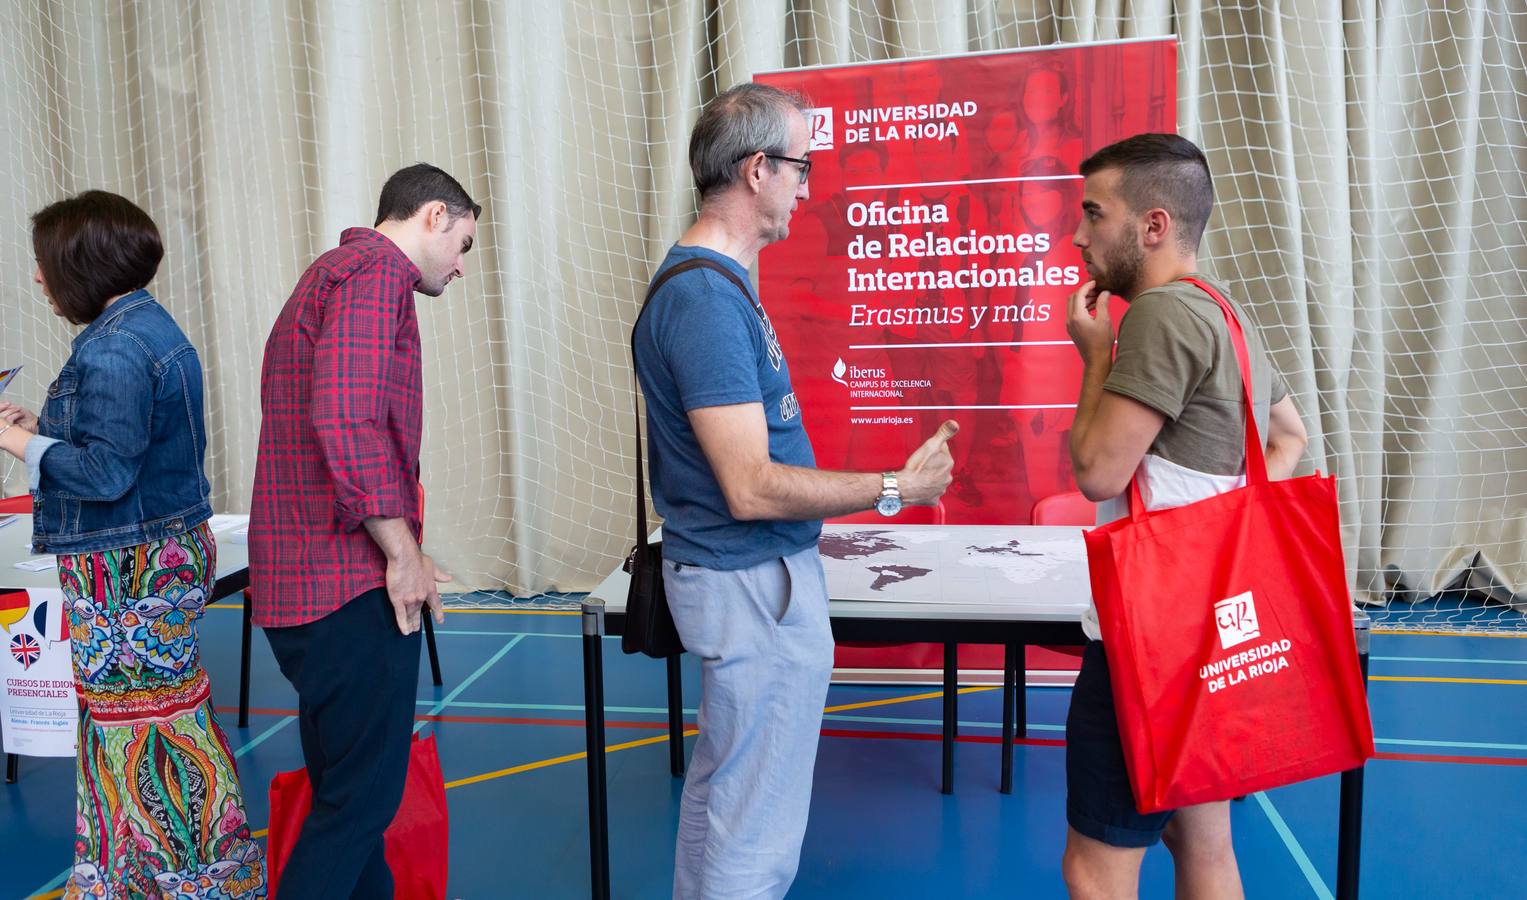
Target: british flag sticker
<point>26,650</point>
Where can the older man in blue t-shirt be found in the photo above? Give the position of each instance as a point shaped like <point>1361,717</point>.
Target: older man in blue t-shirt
<point>734,477</point>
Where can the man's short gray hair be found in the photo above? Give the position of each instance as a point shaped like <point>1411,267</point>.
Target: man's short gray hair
<point>736,124</point>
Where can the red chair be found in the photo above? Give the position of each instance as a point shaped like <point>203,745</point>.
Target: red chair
<point>1070,508</point>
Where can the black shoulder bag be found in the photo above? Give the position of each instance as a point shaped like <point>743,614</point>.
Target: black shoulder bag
<point>649,625</point>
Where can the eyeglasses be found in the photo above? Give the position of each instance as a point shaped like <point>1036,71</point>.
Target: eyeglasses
<point>804,163</point>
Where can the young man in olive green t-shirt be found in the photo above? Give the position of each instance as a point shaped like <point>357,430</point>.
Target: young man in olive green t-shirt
<point>1166,407</point>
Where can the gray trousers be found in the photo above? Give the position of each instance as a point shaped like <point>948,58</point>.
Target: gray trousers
<point>766,651</point>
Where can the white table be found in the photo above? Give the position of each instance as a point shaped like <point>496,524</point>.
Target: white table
<point>16,546</point>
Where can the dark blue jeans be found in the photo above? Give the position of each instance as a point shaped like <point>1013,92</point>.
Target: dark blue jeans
<point>357,679</point>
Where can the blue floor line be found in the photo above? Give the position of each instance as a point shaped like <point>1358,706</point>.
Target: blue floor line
<point>1317,884</point>
<point>893,720</point>
<point>1444,659</point>
<point>557,707</point>
<point>544,634</point>
<point>263,736</point>
<point>456,691</point>
<point>1463,745</point>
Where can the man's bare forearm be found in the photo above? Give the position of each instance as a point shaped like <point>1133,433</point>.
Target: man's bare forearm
<point>1094,376</point>
<point>393,536</point>
<point>794,493</point>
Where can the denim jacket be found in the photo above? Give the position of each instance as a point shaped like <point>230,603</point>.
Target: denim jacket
<point>118,456</point>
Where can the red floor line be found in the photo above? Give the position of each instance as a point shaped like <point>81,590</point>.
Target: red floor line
<point>935,736</point>
<point>508,720</point>
<point>876,735</point>
<point>474,720</point>
<point>1466,760</point>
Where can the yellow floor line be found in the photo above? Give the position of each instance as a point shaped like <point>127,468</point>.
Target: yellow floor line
<point>558,760</point>
<point>931,695</point>
<point>573,757</point>
<point>1430,680</point>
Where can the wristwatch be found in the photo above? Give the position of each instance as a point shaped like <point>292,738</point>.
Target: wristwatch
<point>889,501</point>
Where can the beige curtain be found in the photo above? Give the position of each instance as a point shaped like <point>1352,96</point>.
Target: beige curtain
<point>1370,206</point>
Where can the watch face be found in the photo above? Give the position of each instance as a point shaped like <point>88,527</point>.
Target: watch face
<point>888,505</point>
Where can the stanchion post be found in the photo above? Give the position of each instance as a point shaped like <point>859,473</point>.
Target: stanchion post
<point>1350,826</point>
<point>593,717</point>
<point>675,715</point>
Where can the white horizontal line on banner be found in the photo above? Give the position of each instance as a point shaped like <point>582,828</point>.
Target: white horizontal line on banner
<point>983,406</point>
<point>960,344</point>
<point>968,55</point>
<point>913,184</point>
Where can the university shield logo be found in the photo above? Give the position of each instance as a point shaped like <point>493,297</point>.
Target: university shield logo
<point>819,120</point>
<point>1236,618</point>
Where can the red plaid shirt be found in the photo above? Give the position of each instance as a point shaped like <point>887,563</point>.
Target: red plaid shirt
<point>341,392</point>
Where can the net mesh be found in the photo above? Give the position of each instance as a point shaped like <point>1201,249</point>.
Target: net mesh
<point>1369,214</point>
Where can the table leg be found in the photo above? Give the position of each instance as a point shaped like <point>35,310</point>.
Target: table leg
<point>12,767</point>
<point>1009,700</point>
<point>1021,682</point>
<point>244,650</point>
<point>951,710</point>
<point>434,653</point>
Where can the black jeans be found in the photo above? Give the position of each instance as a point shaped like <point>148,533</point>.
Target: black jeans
<point>357,679</point>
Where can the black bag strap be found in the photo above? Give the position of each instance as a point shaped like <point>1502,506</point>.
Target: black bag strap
<point>688,265</point>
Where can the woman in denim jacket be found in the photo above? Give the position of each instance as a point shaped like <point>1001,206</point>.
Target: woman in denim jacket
<point>119,496</point>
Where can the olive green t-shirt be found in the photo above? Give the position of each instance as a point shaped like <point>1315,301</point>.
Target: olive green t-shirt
<point>1174,355</point>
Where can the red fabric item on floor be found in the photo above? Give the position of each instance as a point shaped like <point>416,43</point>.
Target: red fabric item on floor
<point>417,841</point>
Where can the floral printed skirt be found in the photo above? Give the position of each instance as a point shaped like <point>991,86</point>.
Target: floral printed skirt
<point>159,810</point>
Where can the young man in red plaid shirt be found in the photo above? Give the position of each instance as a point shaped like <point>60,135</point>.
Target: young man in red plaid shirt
<point>338,578</point>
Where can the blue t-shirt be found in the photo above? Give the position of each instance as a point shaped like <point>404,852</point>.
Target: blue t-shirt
<point>700,343</point>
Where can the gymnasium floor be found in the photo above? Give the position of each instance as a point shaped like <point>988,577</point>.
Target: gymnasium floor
<point>1446,811</point>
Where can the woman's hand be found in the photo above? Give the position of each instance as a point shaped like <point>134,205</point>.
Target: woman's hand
<point>11,414</point>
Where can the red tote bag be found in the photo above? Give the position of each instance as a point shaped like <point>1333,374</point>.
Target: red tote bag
<point>1228,628</point>
<point>416,841</point>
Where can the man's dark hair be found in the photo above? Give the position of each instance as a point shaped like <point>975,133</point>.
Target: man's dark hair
<point>93,247</point>
<point>1161,170</point>
<point>421,183</point>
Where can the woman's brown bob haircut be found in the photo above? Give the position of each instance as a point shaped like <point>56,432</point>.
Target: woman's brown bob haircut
<point>94,247</point>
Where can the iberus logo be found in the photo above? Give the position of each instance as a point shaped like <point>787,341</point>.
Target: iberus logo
<point>838,371</point>
<point>1236,618</point>
<point>820,122</point>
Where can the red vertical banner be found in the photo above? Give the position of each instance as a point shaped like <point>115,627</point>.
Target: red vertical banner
<point>927,274</point>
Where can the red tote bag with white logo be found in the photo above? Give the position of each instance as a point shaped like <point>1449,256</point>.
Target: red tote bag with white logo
<point>1228,628</point>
